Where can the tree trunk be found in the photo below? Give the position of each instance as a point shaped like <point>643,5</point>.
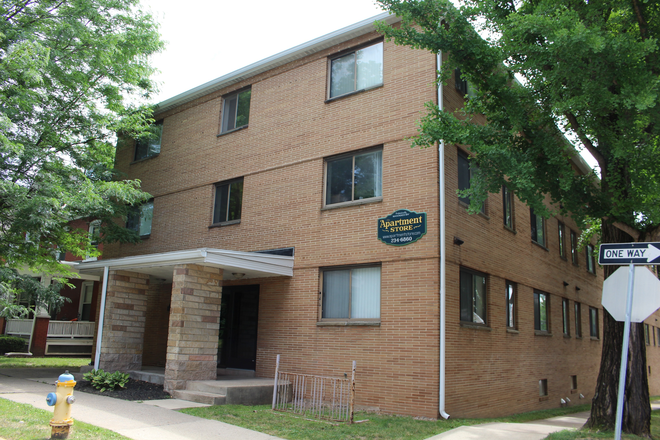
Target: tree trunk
<point>636,405</point>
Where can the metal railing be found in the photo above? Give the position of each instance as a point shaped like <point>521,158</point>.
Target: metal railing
<point>71,329</point>
<point>19,327</point>
<point>320,397</point>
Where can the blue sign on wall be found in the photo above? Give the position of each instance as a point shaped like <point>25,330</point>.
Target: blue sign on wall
<point>402,227</point>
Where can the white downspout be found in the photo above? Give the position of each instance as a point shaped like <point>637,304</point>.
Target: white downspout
<point>99,332</point>
<point>443,256</point>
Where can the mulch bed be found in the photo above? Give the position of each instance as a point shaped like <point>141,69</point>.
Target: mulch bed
<point>134,390</point>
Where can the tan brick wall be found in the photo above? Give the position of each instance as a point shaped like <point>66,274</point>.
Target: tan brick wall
<point>653,354</point>
<point>192,344</point>
<point>123,326</point>
<point>281,158</point>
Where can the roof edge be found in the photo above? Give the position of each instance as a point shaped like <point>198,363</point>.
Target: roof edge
<point>295,53</point>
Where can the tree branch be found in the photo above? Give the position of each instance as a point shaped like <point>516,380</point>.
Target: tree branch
<point>575,125</point>
<point>643,26</point>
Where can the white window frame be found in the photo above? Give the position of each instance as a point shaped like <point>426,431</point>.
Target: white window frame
<point>472,306</point>
<point>355,79</point>
<point>139,226</point>
<point>90,285</point>
<point>154,143</point>
<point>534,223</point>
<point>93,227</point>
<point>349,318</point>
<point>353,201</point>
<point>228,184</point>
<point>224,119</point>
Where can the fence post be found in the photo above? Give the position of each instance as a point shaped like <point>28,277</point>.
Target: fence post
<point>352,395</point>
<point>277,373</point>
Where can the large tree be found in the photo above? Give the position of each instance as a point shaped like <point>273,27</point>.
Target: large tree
<point>73,73</point>
<point>553,77</point>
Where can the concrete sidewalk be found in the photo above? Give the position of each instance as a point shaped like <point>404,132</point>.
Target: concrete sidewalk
<point>536,430</point>
<point>158,420</point>
<point>152,420</point>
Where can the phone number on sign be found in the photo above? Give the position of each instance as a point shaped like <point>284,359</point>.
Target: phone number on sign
<point>401,240</point>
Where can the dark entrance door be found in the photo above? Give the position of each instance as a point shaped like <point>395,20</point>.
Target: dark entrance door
<point>237,345</point>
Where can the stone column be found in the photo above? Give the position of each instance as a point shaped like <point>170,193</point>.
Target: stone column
<point>123,327</point>
<point>192,344</point>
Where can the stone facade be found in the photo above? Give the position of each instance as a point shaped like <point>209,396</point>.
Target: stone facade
<point>192,343</point>
<point>123,326</point>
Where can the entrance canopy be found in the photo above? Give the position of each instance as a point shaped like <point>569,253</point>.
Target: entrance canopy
<point>236,265</point>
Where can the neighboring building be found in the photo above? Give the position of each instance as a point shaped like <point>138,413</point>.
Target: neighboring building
<point>269,186</point>
<point>69,330</point>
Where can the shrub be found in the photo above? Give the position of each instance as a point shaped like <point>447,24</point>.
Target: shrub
<point>102,380</point>
<point>9,344</point>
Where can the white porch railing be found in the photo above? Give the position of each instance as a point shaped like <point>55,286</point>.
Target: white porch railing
<point>71,329</point>
<point>19,327</point>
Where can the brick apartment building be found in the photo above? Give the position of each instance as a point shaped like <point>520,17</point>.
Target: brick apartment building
<point>269,187</point>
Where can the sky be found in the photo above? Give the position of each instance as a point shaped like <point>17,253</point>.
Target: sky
<point>208,39</point>
<point>218,37</point>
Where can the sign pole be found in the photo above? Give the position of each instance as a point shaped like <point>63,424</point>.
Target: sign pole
<point>624,354</point>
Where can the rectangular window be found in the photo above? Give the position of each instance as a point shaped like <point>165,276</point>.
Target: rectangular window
<point>236,110</point>
<point>543,387</point>
<point>573,382</point>
<point>562,247</point>
<point>511,305</point>
<point>591,261</point>
<point>148,145</point>
<point>574,245</point>
<point>228,201</point>
<point>351,293</point>
<point>359,70</point>
<point>647,334</point>
<point>94,236</point>
<point>354,177</point>
<point>593,322</point>
<point>565,317</point>
<point>473,297</point>
<point>507,206</point>
<point>139,218</point>
<point>463,86</point>
<point>541,309</point>
<point>578,320</point>
<point>465,175</point>
<point>538,228</point>
<point>85,307</point>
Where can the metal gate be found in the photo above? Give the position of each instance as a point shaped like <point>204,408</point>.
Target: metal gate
<point>320,397</point>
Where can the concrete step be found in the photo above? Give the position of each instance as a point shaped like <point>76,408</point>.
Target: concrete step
<point>148,376</point>
<point>200,397</point>
<point>238,391</point>
<point>235,372</point>
<point>208,386</point>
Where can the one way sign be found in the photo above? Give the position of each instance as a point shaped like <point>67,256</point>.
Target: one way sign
<point>629,253</point>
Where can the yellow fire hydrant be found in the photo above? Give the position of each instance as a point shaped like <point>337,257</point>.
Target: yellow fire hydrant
<point>62,400</point>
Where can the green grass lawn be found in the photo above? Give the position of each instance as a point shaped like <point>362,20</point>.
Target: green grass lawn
<point>43,362</point>
<point>25,422</point>
<point>378,427</point>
